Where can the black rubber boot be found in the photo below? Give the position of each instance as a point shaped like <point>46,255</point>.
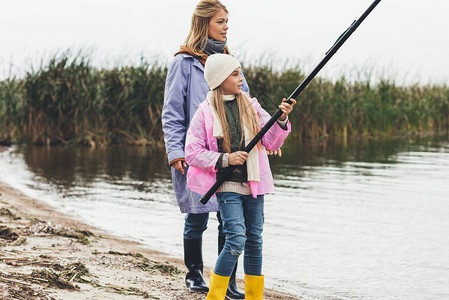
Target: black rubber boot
<point>232,292</point>
<point>193,259</point>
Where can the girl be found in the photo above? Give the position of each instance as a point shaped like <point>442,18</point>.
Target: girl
<point>223,124</point>
<point>185,89</point>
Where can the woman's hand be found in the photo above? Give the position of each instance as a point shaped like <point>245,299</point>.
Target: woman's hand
<point>277,152</point>
<point>179,165</point>
<point>286,108</point>
<point>237,158</point>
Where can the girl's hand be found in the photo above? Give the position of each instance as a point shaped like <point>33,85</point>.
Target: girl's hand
<point>277,152</point>
<point>180,165</point>
<point>237,158</point>
<point>286,108</point>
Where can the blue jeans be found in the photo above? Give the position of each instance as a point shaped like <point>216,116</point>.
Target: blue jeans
<point>196,224</point>
<point>243,218</point>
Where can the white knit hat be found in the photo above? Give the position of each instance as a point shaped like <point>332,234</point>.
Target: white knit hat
<point>218,67</point>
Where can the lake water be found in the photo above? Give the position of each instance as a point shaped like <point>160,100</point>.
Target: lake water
<point>366,221</point>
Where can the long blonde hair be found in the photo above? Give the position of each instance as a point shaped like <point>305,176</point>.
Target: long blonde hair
<point>199,27</point>
<point>247,115</point>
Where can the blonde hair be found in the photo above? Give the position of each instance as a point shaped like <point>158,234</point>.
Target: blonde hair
<point>199,26</point>
<point>247,115</point>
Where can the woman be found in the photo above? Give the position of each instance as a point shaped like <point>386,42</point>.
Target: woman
<point>185,89</point>
<point>220,129</point>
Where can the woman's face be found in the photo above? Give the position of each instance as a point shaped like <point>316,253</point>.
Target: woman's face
<point>233,84</point>
<point>218,26</point>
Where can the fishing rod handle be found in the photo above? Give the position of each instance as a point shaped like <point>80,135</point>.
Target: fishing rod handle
<point>217,184</point>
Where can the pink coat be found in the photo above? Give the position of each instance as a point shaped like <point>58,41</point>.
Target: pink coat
<point>202,151</point>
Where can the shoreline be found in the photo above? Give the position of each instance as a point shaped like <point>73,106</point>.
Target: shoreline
<point>48,254</point>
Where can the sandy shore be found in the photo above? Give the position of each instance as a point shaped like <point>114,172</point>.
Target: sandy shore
<point>45,254</point>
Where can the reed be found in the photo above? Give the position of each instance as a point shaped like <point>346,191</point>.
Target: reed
<point>68,101</point>
<point>11,107</point>
<point>133,103</point>
<point>346,109</point>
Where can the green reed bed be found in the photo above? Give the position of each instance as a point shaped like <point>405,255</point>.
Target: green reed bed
<point>11,107</point>
<point>68,101</point>
<point>344,108</point>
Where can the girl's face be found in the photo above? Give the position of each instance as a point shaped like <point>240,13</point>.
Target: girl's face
<point>233,84</point>
<point>218,26</point>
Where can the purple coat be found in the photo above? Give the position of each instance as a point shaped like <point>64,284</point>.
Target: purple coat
<point>185,89</point>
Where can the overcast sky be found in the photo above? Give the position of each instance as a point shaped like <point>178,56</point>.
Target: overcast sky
<point>406,40</point>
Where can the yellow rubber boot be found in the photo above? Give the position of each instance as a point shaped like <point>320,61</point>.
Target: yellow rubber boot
<point>217,287</point>
<point>254,287</point>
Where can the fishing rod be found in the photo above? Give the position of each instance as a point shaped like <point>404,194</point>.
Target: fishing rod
<point>340,41</point>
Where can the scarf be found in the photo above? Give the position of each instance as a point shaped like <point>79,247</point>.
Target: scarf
<point>200,54</point>
<point>213,47</point>
<point>252,163</point>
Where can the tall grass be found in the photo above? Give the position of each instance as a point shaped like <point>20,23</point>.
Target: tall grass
<point>11,107</point>
<point>68,101</point>
<point>345,109</point>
